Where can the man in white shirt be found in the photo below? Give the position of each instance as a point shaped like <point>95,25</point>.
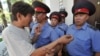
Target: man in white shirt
<point>17,39</point>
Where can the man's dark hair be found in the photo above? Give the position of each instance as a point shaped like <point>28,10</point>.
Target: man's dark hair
<point>21,7</point>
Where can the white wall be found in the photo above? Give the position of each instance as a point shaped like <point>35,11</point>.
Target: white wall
<point>68,6</point>
<point>54,6</point>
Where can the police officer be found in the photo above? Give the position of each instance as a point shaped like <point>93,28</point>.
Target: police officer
<point>86,38</point>
<point>55,19</point>
<point>63,14</point>
<point>62,24</point>
<point>47,33</point>
<point>63,27</point>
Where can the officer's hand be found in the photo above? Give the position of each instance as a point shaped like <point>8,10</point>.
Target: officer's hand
<point>65,39</point>
<point>37,30</point>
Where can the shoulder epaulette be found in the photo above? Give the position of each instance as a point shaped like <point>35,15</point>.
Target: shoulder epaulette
<point>92,27</point>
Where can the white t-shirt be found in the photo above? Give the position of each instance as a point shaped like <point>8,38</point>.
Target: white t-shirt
<point>17,41</point>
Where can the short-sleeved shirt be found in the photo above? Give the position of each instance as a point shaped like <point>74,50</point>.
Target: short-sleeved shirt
<point>47,35</point>
<point>86,40</point>
<point>31,24</point>
<point>63,27</point>
<point>58,31</point>
<point>17,41</point>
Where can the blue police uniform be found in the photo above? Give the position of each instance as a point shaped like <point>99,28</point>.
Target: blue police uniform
<point>86,40</point>
<point>63,27</point>
<point>31,24</point>
<point>47,35</point>
<point>58,31</point>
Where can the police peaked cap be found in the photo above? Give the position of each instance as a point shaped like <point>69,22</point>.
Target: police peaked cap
<point>63,12</point>
<point>84,6</point>
<point>40,7</point>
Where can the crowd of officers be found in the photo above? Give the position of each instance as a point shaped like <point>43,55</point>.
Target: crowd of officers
<point>78,39</point>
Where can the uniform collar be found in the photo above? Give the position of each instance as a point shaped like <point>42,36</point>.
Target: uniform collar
<point>62,24</point>
<point>84,27</point>
<point>45,26</point>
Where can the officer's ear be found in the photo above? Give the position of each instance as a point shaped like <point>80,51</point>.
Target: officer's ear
<point>87,17</point>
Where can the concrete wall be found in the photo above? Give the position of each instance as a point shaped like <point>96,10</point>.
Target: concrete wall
<point>54,6</point>
<point>68,6</point>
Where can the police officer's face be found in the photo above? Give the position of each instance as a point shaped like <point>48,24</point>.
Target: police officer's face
<point>54,22</point>
<point>80,19</point>
<point>40,16</point>
<point>63,20</point>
